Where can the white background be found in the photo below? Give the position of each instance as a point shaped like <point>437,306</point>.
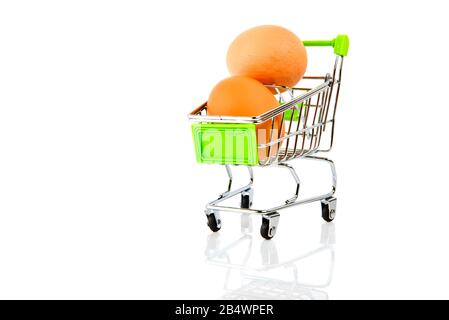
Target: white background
<point>100,194</point>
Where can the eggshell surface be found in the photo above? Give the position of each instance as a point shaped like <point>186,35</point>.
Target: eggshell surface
<point>244,96</point>
<point>269,54</point>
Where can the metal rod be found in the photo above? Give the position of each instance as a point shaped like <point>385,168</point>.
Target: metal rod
<point>296,133</point>
<point>193,116</point>
<point>295,176</point>
<point>213,205</point>
<point>229,172</point>
<point>229,194</point>
<point>297,100</point>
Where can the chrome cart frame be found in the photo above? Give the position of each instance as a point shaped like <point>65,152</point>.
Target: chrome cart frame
<point>301,126</point>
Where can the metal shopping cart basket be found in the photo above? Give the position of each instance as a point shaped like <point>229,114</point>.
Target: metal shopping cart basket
<point>307,116</point>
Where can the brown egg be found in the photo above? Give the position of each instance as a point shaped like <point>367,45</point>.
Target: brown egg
<point>270,54</point>
<point>244,96</point>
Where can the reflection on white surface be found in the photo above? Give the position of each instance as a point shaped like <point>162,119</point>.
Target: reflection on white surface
<point>265,274</point>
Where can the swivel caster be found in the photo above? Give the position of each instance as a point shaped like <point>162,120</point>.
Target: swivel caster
<point>269,225</point>
<point>246,199</point>
<point>213,220</point>
<point>328,209</point>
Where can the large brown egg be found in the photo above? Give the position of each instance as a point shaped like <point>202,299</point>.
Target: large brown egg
<point>270,54</point>
<point>244,96</point>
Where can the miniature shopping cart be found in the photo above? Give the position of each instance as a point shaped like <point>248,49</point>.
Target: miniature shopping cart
<point>306,120</point>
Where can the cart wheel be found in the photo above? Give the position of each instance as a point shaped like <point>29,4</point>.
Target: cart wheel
<point>328,209</point>
<point>213,221</point>
<point>246,199</point>
<point>269,225</point>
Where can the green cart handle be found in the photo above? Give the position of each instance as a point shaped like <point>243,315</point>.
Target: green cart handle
<point>340,44</point>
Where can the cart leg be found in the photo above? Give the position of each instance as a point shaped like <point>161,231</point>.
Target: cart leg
<point>328,202</point>
<point>334,173</point>
<point>295,176</point>
<point>213,217</point>
<point>247,195</point>
<point>229,172</point>
<point>231,193</point>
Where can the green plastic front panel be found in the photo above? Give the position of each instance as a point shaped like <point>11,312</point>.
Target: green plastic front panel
<point>217,143</point>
